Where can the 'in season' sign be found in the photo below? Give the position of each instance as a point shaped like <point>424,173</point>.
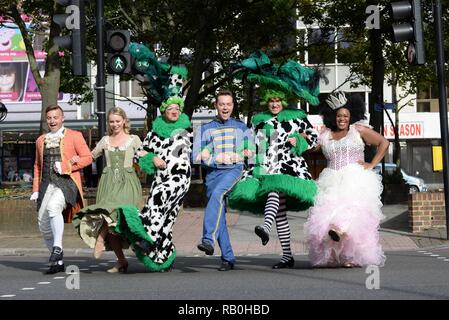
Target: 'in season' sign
<point>405,130</point>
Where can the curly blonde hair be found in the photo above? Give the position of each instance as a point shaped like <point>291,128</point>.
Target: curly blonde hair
<point>120,112</point>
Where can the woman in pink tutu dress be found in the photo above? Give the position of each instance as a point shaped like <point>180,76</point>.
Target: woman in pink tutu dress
<point>342,227</point>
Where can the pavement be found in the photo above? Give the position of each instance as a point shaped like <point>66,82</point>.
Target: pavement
<point>394,235</point>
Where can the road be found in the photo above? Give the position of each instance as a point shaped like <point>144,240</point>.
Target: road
<point>417,274</point>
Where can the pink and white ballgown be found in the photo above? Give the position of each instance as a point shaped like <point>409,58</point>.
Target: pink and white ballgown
<point>348,201</point>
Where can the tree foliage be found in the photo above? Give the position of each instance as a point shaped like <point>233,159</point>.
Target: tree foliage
<point>206,36</point>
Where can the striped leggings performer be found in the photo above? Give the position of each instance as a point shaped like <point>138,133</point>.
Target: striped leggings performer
<point>275,208</point>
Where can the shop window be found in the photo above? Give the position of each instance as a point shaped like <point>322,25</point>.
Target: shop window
<point>423,106</point>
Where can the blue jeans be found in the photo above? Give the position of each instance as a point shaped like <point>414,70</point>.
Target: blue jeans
<point>218,184</point>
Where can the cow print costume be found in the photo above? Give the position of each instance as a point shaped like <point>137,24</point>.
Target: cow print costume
<point>279,181</point>
<point>279,166</point>
<point>172,143</point>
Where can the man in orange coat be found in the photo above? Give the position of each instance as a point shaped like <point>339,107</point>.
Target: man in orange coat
<point>60,155</point>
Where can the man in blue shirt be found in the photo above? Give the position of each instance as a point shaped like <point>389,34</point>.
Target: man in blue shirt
<point>221,145</point>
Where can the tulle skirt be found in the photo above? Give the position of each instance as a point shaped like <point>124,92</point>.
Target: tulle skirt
<point>348,201</point>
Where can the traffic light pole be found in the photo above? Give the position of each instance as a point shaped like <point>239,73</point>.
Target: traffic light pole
<point>442,99</point>
<point>101,79</point>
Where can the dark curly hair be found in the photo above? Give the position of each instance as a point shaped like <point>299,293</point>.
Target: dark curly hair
<point>355,105</point>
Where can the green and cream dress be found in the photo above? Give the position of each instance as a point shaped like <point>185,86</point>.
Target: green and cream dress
<point>118,186</point>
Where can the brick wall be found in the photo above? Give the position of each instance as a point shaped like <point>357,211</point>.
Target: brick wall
<point>426,210</point>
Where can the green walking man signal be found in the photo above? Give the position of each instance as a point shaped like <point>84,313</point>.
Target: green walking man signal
<point>119,60</point>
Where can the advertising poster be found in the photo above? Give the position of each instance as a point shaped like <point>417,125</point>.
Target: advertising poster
<point>17,84</point>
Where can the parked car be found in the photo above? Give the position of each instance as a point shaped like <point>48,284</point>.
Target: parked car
<point>415,184</point>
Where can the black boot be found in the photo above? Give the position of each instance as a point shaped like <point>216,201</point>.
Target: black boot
<point>55,268</point>
<point>56,254</point>
<point>334,235</point>
<point>281,265</point>
<point>263,235</point>
<point>206,248</point>
<point>146,246</point>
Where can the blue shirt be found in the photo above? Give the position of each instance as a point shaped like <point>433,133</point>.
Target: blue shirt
<point>221,138</point>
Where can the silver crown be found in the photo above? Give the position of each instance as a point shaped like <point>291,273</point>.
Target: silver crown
<point>336,100</point>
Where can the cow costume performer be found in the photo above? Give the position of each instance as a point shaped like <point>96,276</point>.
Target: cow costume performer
<point>60,155</point>
<point>279,181</point>
<point>165,153</point>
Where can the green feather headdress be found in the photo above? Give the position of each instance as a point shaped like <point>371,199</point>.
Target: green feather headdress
<point>160,76</point>
<point>172,100</point>
<point>290,78</point>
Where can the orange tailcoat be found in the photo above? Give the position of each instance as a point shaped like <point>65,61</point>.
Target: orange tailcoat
<point>71,144</point>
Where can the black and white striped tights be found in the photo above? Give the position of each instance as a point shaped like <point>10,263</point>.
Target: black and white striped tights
<point>275,209</point>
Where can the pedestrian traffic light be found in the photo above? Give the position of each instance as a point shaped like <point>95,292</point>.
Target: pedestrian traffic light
<point>74,20</point>
<point>410,28</point>
<point>119,59</point>
<point>140,66</point>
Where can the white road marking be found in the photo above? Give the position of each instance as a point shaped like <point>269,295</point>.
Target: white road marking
<point>44,282</point>
<point>58,277</point>
<point>7,296</point>
<point>24,289</point>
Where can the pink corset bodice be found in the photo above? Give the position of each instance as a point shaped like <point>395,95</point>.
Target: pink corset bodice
<point>340,153</point>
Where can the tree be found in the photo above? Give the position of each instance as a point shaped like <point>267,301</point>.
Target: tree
<point>206,36</point>
<point>378,59</point>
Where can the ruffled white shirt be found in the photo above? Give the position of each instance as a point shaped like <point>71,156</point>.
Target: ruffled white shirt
<point>52,140</point>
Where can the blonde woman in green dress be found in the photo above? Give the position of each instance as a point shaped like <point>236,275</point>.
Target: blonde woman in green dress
<point>118,186</point>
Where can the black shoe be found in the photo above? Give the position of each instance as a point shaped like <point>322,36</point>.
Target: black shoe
<point>146,246</point>
<point>55,268</point>
<point>206,247</point>
<point>226,266</point>
<point>281,265</point>
<point>263,235</point>
<point>168,269</point>
<point>334,235</point>
<point>56,254</point>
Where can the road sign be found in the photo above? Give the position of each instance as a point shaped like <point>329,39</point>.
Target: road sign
<point>387,106</point>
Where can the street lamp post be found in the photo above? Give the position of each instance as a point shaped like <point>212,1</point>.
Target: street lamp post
<point>442,99</point>
<point>101,79</point>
